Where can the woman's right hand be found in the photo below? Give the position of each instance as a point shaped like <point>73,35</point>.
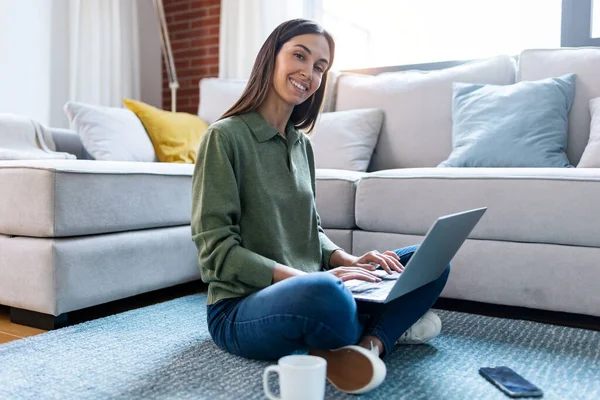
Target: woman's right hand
<point>348,273</point>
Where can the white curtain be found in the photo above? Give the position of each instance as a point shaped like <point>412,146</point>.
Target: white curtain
<point>246,24</point>
<point>103,51</point>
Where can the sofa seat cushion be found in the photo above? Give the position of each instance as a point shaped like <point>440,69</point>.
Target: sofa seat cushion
<point>58,198</point>
<point>336,191</point>
<point>58,275</point>
<point>533,275</point>
<point>536,205</point>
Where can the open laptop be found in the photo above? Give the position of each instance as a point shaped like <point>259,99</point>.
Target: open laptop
<point>438,248</point>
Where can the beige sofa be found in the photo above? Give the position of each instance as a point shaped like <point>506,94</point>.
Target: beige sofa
<point>77,233</point>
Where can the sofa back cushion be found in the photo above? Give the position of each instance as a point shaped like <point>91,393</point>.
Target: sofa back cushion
<point>591,155</point>
<point>417,128</point>
<point>68,141</point>
<point>585,64</point>
<point>218,95</point>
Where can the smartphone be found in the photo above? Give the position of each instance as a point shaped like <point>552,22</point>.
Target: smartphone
<point>511,383</point>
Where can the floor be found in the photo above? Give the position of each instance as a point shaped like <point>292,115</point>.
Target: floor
<point>10,331</point>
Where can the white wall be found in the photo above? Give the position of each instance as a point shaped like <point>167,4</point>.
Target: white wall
<point>25,58</point>
<point>34,64</point>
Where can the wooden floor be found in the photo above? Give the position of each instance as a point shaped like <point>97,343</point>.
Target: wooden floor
<point>10,331</point>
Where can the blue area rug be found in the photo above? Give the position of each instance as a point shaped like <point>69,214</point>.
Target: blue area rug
<point>165,351</point>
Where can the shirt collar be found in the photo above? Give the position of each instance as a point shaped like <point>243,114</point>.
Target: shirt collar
<point>263,131</point>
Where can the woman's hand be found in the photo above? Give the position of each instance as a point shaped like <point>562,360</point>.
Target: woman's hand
<point>347,273</point>
<point>388,260</point>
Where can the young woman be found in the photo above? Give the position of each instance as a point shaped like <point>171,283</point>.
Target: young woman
<point>275,279</point>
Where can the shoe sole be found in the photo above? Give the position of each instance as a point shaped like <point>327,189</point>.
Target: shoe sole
<point>348,370</point>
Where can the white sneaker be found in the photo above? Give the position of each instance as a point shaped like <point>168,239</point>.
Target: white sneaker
<point>353,369</point>
<point>425,329</point>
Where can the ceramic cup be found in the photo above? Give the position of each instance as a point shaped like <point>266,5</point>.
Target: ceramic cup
<point>301,377</point>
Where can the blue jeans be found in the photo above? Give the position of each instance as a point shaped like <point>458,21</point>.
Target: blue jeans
<point>315,310</point>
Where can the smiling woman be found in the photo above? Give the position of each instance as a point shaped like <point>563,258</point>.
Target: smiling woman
<point>299,69</point>
<point>298,54</point>
<point>276,281</point>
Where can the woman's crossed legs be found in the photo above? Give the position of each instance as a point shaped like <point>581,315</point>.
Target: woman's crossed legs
<point>314,311</point>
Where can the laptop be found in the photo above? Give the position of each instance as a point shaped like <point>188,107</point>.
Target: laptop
<point>427,264</point>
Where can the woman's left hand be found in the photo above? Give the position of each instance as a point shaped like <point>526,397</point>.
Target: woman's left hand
<point>388,260</point>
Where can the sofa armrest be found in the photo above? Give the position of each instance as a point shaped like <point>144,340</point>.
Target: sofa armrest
<point>68,141</point>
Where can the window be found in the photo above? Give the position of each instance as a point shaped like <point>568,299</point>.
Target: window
<point>580,23</point>
<point>596,19</point>
<point>411,32</point>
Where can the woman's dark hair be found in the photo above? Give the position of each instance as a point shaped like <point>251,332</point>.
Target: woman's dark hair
<point>305,114</point>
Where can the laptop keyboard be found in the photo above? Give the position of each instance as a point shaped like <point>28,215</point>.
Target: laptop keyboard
<point>385,276</point>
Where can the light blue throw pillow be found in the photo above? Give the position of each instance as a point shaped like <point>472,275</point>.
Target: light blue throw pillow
<point>519,125</point>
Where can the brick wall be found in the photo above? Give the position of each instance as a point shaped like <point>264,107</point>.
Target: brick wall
<point>194,34</point>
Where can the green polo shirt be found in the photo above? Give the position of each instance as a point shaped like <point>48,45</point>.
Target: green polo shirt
<point>253,205</point>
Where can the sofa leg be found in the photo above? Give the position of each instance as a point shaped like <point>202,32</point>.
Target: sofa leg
<point>37,320</point>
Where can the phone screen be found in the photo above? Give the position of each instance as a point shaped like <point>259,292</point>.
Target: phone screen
<point>510,382</point>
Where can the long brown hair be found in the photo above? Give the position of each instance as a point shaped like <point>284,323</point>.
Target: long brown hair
<point>305,114</point>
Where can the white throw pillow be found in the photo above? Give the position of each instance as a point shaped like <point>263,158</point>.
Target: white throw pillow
<point>110,133</point>
<point>346,139</point>
<point>591,154</point>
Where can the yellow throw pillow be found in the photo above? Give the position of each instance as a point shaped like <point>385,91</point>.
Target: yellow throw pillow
<point>175,136</point>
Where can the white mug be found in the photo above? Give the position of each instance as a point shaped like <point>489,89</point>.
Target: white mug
<point>300,378</point>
